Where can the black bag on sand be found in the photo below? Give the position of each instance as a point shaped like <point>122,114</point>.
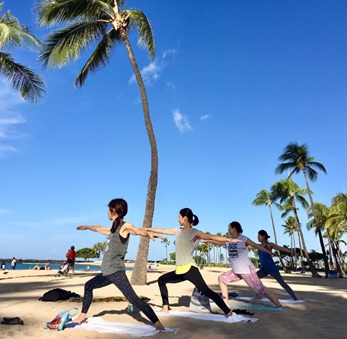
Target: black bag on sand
<point>58,294</point>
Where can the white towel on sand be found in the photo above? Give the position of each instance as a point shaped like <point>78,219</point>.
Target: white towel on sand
<point>133,330</point>
<point>235,318</point>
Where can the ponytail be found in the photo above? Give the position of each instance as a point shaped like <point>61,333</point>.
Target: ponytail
<point>192,218</point>
<point>120,207</point>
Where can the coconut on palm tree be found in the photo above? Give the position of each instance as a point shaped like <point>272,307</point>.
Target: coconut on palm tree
<point>106,24</point>
<point>296,158</point>
<point>12,34</point>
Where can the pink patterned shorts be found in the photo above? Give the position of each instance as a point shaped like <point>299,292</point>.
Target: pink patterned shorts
<point>251,279</point>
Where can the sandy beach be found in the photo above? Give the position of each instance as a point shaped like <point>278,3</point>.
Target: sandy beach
<point>322,314</point>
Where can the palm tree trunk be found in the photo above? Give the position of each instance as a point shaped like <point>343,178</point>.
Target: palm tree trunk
<point>326,263</point>
<point>312,268</point>
<point>139,275</point>
<point>275,236</point>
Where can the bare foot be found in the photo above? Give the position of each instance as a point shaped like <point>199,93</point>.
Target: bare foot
<point>229,314</point>
<point>165,309</point>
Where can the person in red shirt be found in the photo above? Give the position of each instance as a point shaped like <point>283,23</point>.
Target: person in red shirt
<point>71,256</point>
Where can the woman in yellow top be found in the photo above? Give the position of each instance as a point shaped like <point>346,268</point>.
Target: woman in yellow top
<point>186,268</point>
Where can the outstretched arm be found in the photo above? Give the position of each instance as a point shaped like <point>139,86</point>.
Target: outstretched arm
<point>99,229</point>
<point>128,228</point>
<point>168,231</point>
<point>214,239</point>
<point>252,244</point>
<point>280,248</point>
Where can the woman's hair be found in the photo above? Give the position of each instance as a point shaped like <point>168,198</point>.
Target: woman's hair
<point>192,218</point>
<point>264,234</point>
<point>237,225</point>
<point>120,207</point>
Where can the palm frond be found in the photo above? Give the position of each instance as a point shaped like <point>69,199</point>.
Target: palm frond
<point>67,43</point>
<point>59,11</point>
<point>30,85</point>
<point>100,55</point>
<point>137,20</point>
<point>12,33</point>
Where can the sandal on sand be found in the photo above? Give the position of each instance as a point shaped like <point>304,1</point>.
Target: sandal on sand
<point>12,321</point>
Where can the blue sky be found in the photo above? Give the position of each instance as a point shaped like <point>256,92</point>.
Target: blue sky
<point>233,82</point>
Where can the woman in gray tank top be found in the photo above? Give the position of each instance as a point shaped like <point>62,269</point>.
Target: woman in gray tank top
<point>112,267</point>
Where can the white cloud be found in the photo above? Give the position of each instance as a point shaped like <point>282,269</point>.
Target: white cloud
<point>181,121</point>
<point>10,118</point>
<point>168,52</point>
<point>153,70</point>
<point>205,117</point>
<point>149,73</point>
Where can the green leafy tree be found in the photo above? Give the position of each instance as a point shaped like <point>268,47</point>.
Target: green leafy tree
<point>85,253</point>
<point>106,24</point>
<point>12,34</point>
<point>296,158</point>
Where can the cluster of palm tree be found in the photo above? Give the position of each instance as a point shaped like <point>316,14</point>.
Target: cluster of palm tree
<point>328,222</point>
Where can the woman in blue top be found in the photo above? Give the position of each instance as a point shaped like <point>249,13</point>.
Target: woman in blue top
<point>268,266</point>
<point>113,267</point>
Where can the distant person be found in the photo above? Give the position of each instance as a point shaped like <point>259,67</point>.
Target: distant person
<point>186,240</point>
<point>88,268</point>
<point>268,266</point>
<point>3,265</point>
<point>42,268</point>
<point>13,263</point>
<point>71,257</point>
<point>113,267</point>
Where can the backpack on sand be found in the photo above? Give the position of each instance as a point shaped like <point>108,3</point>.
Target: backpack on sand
<point>199,302</point>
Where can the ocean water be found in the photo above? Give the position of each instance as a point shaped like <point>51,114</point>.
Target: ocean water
<point>56,266</point>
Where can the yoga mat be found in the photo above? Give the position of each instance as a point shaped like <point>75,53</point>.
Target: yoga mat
<point>235,318</point>
<point>234,304</point>
<point>267,300</point>
<point>134,330</point>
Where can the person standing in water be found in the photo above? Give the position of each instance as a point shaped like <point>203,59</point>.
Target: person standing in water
<point>186,240</point>
<point>268,266</point>
<point>113,267</point>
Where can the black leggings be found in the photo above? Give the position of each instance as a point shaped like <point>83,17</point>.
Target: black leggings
<point>122,283</point>
<point>263,273</point>
<point>194,276</point>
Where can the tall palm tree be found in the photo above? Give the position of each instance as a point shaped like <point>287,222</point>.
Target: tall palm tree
<point>288,192</point>
<point>337,226</point>
<point>107,24</point>
<point>12,34</point>
<point>296,158</point>
<point>265,198</point>
<point>99,248</point>
<point>322,215</point>
<point>291,227</point>
<point>166,242</point>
